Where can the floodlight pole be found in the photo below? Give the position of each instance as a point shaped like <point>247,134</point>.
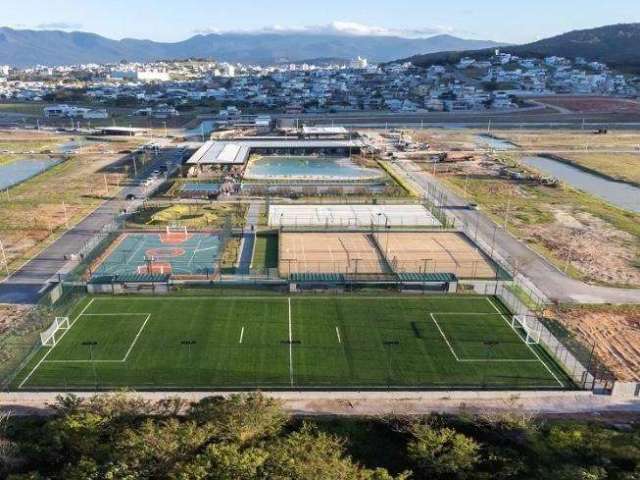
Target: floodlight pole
<point>92,344</point>
<point>489,344</point>
<point>188,343</point>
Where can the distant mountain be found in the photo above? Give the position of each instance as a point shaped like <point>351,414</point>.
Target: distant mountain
<point>38,47</point>
<point>616,45</point>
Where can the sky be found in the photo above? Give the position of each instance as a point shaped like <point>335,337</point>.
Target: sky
<point>510,21</point>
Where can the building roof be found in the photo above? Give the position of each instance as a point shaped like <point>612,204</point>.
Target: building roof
<point>237,152</point>
<point>306,130</point>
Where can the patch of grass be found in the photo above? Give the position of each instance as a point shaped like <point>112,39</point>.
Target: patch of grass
<point>192,215</point>
<point>298,342</point>
<point>266,252</point>
<point>531,204</point>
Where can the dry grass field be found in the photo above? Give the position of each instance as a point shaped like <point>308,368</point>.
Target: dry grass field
<point>39,210</point>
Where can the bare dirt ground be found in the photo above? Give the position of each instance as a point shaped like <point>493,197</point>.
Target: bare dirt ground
<point>587,243</point>
<point>37,211</point>
<point>10,315</point>
<point>615,331</point>
<point>592,104</point>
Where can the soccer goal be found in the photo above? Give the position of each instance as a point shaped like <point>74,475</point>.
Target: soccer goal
<point>531,328</point>
<point>49,337</point>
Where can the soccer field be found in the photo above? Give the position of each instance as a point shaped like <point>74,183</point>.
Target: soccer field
<point>298,342</point>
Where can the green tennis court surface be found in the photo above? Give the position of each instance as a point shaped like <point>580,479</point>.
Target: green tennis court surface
<point>299,342</point>
<point>176,253</point>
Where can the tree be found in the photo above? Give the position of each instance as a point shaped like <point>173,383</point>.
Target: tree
<point>310,455</point>
<point>157,449</point>
<point>442,451</point>
<point>240,418</point>
<point>223,461</point>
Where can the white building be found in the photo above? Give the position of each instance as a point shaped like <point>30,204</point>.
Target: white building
<point>359,64</point>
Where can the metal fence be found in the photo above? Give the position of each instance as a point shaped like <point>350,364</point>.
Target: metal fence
<point>580,373</point>
<point>21,341</point>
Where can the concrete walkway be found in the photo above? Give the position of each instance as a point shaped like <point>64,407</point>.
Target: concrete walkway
<point>375,403</point>
<point>249,238</point>
<point>550,281</point>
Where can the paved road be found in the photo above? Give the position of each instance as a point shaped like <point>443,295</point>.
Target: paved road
<point>554,284</point>
<point>539,117</point>
<point>27,284</point>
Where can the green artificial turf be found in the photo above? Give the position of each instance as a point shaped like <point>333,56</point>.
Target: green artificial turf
<point>299,342</point>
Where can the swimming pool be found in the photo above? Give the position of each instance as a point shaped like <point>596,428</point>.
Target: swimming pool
<point>308,168</point>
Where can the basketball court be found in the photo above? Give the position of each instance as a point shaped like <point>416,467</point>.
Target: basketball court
<point>175,252</point>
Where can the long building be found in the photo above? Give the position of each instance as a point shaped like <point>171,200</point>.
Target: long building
<point>237,152</point>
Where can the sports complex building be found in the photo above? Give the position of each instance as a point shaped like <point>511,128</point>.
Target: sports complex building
<point>320,296</point>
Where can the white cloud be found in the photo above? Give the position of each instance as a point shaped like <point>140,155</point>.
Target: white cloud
<point>59,26</point>
<point>342,28</point>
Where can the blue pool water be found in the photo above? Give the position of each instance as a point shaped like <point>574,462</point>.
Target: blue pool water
<point>307,168</point>
<point>200,187</point>
<point>21,170</point>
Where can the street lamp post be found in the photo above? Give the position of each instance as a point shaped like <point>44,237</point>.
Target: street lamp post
<point>489,345</point>
<point>91,344</point>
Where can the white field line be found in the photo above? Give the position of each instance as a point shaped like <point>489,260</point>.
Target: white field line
<point>206,249</point>
<point>290,345</point>
<point>195,250</point>
<point>241,335</point>
<point>474,360</point>
<point>141,243</point>
<point>54,346</point>
<point>445,338</point>
<point>338,334</point>
<point>135,340</point>
<point>529,346</point>
<point>130,346</point>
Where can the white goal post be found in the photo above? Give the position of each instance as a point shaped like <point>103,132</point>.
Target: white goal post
<point>531,333</point>
<point>48,337</point>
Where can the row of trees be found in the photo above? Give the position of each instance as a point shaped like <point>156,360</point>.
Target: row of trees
<point>247,437</point>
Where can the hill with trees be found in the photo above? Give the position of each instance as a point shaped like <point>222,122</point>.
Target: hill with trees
<point>615,45</point>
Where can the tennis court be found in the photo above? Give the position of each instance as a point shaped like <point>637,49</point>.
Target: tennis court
<point>319,342</point>
<point>177,253</point>
<point>451,252</point>
<point>351,216</point>
<point>336,252</point>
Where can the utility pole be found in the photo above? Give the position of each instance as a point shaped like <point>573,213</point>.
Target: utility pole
<point>66,216</point>
<point>106,185</point>
<point>4,258</point>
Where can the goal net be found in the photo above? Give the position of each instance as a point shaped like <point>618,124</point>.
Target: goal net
<point>50,336</point>
<point>531,328</point>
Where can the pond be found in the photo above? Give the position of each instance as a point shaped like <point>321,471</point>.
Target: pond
<point>206,128</point>
<point>495,143</point>
<point>308,168</point>
<point>620,194</point>
<point>20,170</point>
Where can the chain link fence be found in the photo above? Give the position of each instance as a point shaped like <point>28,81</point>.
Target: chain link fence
<point>21,341</point>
